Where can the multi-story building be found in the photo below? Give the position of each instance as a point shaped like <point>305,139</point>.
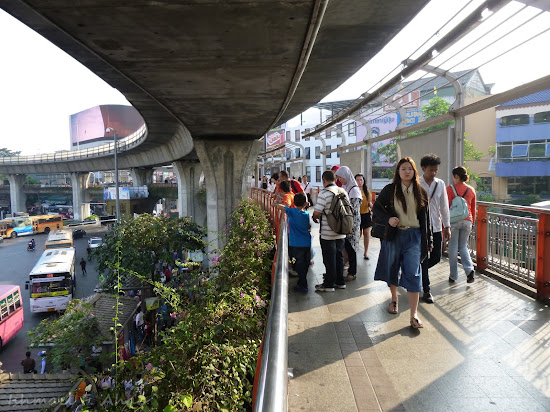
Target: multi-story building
<point>523,144</point>
<point>381,118</point>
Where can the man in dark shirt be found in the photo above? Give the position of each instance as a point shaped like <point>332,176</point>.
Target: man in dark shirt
<point>28,364</point>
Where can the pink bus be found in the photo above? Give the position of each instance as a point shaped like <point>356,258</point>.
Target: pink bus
<point>11,312</point>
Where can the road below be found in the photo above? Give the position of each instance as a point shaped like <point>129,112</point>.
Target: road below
<point>15,265</point>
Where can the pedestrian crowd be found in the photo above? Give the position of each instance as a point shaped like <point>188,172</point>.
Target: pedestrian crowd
<point>413,216</point>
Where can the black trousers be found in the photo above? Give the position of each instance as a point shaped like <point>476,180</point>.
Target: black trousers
<point>352,258</point>
<point>432,260</point>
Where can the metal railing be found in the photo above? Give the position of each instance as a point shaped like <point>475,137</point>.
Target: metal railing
<point>513,246</point>
<point>271,381</point>
<point>124,144</point>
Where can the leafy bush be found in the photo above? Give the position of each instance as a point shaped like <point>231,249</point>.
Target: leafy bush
<point>207,361</point>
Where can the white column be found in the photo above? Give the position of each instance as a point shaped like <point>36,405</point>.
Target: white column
<point>141,176</point>
<point>17,196</point>
<point>81,205</point>
<point>227,165</point>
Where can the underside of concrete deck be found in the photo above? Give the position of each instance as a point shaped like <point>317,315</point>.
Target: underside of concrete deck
<point>484,347</point>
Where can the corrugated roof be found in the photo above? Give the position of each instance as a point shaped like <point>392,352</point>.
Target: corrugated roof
<point>104,310</point>
<point>540,97</point>
<point>32,392</point>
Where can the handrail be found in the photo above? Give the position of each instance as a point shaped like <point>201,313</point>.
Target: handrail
<point>123,144</point>
<point>272,377</point>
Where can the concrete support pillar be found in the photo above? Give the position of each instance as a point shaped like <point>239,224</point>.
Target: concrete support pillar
<point>141,176</point>
<point>17,196</point>
<point>190,201</point>
<point>227,165</point>
<point>81,205</point>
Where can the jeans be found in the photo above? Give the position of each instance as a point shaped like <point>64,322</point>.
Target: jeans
<point>435,257</point>
<point>399,261</point>
<point>460,232</point>
<point>352,258</point>
<point>301,258</point>
<point>333,259</point>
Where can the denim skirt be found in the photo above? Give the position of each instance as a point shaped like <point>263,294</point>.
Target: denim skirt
<point>399,260</point>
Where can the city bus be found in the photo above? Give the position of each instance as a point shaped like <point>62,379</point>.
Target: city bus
<point>18,226</point>
<point>52,281</point>
<point>46,223</point>
<point>62,238</point>
<point>11,313</point>
<point>6,229</point>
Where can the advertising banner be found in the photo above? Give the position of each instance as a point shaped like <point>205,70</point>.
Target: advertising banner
<point>109,193</point>
<point>274,138</point>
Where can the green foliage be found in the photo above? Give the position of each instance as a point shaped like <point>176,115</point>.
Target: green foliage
<point>207,361</point>
<point>4,152</point>
<point>435,107</point>
<point>72,335</point>
<point>29,180</point>
<point>163,192</point>
<point>92,217</point>
<point>144,240</point>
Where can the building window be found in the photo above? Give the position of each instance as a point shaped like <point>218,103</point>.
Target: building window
<point>520,150</point>
<point>297,135</point>
<point>537,150</point>
<point>339,126</point>
<point>547,149</point>
<point>542,117</point>
<point>288,135</point>
<point>338,153</point>
<point>308,153</point>
<point>504,153</point>
<point>317,173</point>
<point>351,129</point>
<point>327,134</point>
<point>514,120</point>
<point>297,152</point>
<point>308,173</point>
<point>329,155</point>
<point>318,152</point>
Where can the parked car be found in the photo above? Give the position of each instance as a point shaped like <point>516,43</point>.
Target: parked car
<point>94,242</point>
<point>78,233</point>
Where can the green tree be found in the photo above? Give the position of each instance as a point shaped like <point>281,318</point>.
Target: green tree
<point>435,107</point>
<point>70,337</point>
<point>145,240</point>
<point>29,180</point>
<point>4,152</point>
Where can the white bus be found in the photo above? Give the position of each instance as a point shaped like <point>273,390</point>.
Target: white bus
<point>52,280</point>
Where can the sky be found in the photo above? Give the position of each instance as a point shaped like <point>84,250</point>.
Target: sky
<point>41,86</point>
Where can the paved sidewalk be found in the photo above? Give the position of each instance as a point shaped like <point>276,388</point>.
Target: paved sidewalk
<point>484,347</point>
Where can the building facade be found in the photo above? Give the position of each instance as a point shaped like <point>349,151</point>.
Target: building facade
<point>523,144</point>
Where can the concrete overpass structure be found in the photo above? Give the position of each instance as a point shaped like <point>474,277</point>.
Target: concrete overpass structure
<point>209,78</point>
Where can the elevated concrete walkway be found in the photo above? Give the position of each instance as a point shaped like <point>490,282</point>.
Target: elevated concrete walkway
<point>484,347</point>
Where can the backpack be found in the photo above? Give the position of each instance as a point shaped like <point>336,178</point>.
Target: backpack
<point>459,207</point>
<point>340,215</point>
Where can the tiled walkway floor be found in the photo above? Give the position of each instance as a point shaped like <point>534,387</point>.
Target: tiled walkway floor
<point>484,347</point>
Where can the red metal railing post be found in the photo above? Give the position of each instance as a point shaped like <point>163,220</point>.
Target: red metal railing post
<point>481,236</point>
<point>542,269</point>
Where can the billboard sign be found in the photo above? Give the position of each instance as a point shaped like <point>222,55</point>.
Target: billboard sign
<point>89,125</point>
<point>274,138</point>
<point>109,193</point>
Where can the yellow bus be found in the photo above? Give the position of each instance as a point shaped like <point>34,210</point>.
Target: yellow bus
<point>46,223</point>
<point>6,229</point>
<point>62,238</point>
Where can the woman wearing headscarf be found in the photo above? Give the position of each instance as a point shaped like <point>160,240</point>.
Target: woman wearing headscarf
<point>344,175</point>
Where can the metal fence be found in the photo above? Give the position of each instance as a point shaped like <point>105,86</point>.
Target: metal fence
<point>123,144</point>
<point>509,242</point>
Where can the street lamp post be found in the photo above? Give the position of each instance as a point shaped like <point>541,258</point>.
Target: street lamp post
<point>117,199</point>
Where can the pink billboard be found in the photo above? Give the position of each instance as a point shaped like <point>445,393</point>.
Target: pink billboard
<point>89,125</point>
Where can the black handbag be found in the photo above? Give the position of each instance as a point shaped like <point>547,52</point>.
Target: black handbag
<point>383,231</point>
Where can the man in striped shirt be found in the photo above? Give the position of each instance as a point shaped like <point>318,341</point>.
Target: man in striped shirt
<point>332,243</point>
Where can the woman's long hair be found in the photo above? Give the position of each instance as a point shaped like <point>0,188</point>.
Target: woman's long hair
<point>364,188</point>
<point>420,196</point>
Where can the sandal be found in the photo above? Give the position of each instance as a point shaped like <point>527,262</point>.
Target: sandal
<point>351,277</point>
<point>416,323</point>
<point>393,308</point>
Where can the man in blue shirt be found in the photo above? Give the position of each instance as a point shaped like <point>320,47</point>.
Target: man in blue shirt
<point>299,239</point>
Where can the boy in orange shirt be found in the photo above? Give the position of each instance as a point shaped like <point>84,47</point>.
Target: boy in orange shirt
<point>288,196</point>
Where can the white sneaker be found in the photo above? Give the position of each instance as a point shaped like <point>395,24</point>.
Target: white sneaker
<point>322,288</point>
